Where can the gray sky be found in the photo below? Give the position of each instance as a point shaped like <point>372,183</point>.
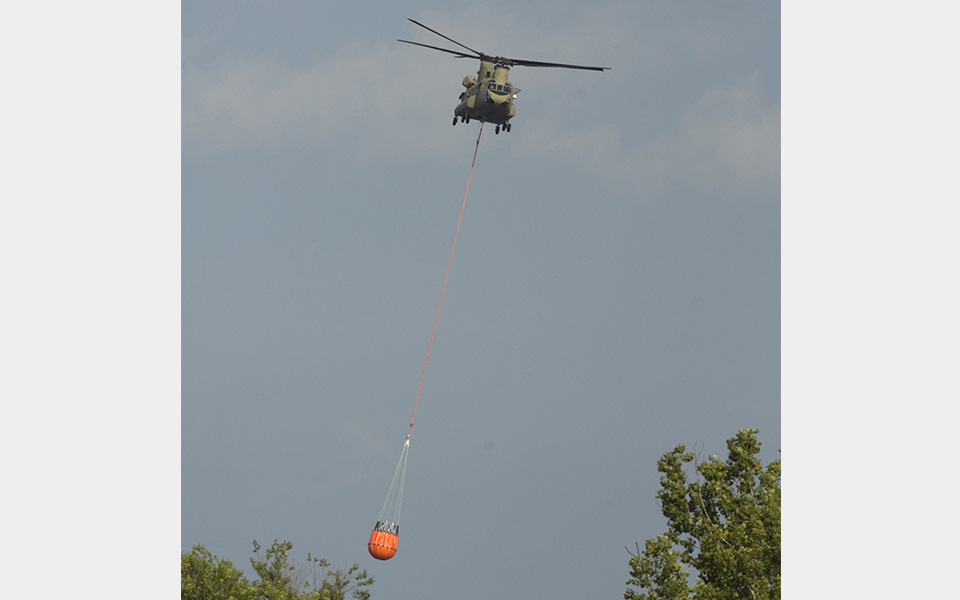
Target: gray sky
<point>615,289</point>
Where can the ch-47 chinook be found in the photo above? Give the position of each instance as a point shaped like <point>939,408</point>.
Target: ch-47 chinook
<point>489,96</point>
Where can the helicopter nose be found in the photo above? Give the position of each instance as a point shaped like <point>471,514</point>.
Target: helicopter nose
<point>490,98</point>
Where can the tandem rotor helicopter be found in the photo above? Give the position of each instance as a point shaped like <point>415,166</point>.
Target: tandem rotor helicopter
<point>489,96</point>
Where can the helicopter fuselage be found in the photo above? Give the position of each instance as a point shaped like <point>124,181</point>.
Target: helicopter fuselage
<point>488,98</point>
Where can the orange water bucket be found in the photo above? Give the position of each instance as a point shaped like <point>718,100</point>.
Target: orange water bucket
<point>382,545</point>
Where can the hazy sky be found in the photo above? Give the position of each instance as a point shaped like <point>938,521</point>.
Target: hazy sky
<point>615,289</point>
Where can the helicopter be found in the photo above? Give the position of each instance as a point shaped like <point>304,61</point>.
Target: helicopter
<point>489,96</point>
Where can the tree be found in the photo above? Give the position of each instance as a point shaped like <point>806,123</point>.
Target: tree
<point>282,580</point>
<point>203,576</point>
<point>725,527</point>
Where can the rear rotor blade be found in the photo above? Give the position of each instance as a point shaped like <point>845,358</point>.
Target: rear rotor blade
<point>449,39</point>
<point>496,59</point>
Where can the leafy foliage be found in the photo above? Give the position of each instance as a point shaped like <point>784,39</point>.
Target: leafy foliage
<point>725,527</point>
<point>203,576</point>
<point>281,580</point>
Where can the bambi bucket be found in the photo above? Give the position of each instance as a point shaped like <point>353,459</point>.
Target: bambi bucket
<point>382,545</point>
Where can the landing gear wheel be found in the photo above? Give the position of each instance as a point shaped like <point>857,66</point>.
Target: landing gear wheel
<point>455,121</point>
<point>497,130</point>
<point>508,126</point>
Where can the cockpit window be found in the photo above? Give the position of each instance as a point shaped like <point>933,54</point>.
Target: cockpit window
<point>500,88</point>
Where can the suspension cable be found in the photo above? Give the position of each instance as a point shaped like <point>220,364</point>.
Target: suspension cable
<point>444,288</point>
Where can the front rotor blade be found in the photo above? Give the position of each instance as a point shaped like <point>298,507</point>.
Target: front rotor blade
<point>454,52</point>
<point>536,63</point>
<point>449,39</point>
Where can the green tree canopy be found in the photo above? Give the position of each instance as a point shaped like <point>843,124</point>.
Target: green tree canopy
<point>723,529</point>
<point>203,576</point>
<point>282,580</point>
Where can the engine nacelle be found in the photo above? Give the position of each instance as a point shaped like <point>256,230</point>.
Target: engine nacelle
<point>469,81</point>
